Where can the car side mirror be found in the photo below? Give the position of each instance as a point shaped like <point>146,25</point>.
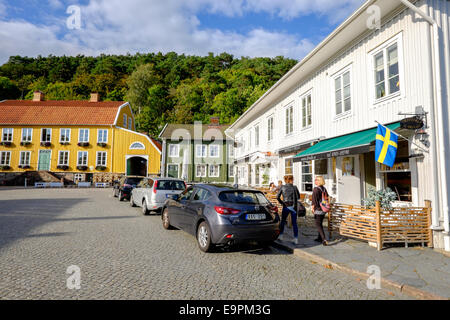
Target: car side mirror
<point>174,197</point>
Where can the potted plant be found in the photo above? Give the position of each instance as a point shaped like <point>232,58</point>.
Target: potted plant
<point>64,143</point>
<point>101,144</point>
<point>100,168</point>
<point>6,143</point>
<point>82,168</point>
<point>5,167</point>
<point>63,167</point>
<point>46,144</point>
<point>25,143</point>
<point>386,197</point>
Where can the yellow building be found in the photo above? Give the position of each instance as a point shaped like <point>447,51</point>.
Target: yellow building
<point>75,140</point>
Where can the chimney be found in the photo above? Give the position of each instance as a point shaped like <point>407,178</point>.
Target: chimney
<point>38,96</point>
<point>95,97</point>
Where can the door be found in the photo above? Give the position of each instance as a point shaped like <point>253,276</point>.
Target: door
<point>349,180</point>
<point>44,160</point>
<point>257,175</point>
<point>194,209</point>
<point>172,171</point>
<point>177,208</point>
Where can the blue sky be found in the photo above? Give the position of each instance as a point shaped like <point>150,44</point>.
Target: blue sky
<point>241,27</point>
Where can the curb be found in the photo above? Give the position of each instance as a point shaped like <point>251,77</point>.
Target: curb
<point>404,288</point>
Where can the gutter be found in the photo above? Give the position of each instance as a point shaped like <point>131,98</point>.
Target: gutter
<point>440,124</point>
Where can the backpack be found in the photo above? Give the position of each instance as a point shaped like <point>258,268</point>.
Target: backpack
<point>325,203</point>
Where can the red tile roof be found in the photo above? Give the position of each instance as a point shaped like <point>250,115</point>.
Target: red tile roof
<point>157,144</point>
<point>21,112</point>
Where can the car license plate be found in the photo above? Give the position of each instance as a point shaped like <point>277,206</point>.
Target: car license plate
<point>260,216</point>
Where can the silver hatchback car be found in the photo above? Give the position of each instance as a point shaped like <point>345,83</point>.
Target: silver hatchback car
<point>152,193</point>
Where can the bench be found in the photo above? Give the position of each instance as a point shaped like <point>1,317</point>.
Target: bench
<point>41,185</point>
<point>102,184</point>
<point>84,184</point>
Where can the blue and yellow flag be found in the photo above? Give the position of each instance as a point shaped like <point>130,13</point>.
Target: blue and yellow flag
<point>386,146</point>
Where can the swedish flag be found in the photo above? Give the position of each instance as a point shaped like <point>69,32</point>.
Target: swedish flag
<point>386,146</point>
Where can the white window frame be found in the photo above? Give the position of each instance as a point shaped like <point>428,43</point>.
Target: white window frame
<point>199,174</point>
<point>204,151</point>
<point>28,136</point>
<point>289,119</point>
<point>102,135</point>
<point>398,39</point>
<point>304,109</point>
<point>211,147</point>
<point>257,135</point>
<point>175,154</point>
<point>27,158</point>
<point>7,157</point>
<point>69,135</point>
<point>88,135</point>
<point>42,134</point>
<point>104,161</point>
<point>67,160</point>
<point>270,128</point>
<point>216,173</point>
<point>10,134</point>
<point>340,75</point>
<point>78,159</point>
<point>231,170</point>
<point>125,120</point>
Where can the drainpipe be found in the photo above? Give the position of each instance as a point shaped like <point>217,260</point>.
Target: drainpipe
<point>440,124</point>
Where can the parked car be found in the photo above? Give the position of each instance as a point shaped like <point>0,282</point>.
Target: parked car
<point>123,187</point>
<point>222,215</point>
<point>152,193</point>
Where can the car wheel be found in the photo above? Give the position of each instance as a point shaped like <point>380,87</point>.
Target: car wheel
<point>204,237</point>
<point>114,193</point>
<point>166,219</point>
<point>132,204</point>
<point>120,196</point>
<point>145,210</point>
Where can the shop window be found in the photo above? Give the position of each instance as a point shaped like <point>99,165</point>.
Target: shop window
<point>307,176</point>
<point>288,167</point>
<point>348,166</point>
<point>321,167</point>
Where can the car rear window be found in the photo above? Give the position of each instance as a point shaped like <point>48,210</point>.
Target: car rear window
<point>243,197</point>
<point>170,185</point>
<point>133,181</point>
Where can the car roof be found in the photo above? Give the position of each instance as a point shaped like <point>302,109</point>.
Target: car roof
<point>223,187</point>
<point>168,179</point>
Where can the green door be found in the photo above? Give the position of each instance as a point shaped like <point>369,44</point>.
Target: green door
<point>172,171</point>
<point>44,160</point>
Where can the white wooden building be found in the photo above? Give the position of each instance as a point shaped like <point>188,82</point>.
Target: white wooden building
<point>362,72</point>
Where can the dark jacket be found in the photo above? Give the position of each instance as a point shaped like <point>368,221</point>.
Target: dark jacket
<point>317,197</point>
<point>291,195</point>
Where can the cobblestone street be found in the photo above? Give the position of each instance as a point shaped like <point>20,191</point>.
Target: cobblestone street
<point>125,255</point>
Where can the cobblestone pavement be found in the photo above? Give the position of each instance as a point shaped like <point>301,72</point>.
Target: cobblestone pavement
<point>124,255</point>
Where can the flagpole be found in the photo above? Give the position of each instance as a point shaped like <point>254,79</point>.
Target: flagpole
<point>404,138</point>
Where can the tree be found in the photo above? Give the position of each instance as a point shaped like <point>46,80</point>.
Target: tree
<point>8,90</point>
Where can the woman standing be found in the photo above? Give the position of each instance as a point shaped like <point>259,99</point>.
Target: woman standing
<point>317,197</point>
<point>291,195</point>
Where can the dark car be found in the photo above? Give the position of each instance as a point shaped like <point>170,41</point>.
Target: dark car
<point>222,215</point>
<point>123,187</point>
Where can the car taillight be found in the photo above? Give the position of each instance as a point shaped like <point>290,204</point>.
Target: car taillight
<point>155,186</point>
<point>273,209</point>
<point>226,211</point>
<point>127,185</point>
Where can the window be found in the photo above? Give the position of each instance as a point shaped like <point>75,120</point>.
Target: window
<point>321,167</point>
<point>186,195</point>
<point>288,167</point>
<point>7,135</point>
<point>231,170</point>
<point>214,171</point>
<point>289,120</point>
<point>342,84</point>
<point>25,158</point>
<point>101,159</point>
<point>200,151</point>
<point>64,136</point>
<point>214,151</point>
<point>200,171</point>
<point>84,136</point>
<point>307,176</point>
<point>270,129</point>
<point>5,158</point>
<point>387,71</point>
<point>130,123</point>
<point>63,158</point>
<point>250,141</point>
<point>174,150</point>
<point>306,111</point>
<point>172,170</point>
<point>231,150</point>
<point>102,136</point>
<point>27,135</point>
<point>137,146</point>
<point>125,122</point>
<point>257,136</point>
<point>82,158</point>
<point>201,195</point>
<point>46,135</point>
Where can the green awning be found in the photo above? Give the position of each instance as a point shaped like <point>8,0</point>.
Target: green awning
<point>353,143</point>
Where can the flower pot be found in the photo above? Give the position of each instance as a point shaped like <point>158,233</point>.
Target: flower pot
<point>46,144</point>
<point>82,168</point>
<point>83,144</point>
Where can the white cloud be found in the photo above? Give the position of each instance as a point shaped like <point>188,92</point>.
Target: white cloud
<point>119,27</point>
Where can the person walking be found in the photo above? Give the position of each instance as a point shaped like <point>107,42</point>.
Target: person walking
<point>291,195</point>
<point>319,193</point>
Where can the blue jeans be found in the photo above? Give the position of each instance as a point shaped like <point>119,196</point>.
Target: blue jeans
<point>284,215</point>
